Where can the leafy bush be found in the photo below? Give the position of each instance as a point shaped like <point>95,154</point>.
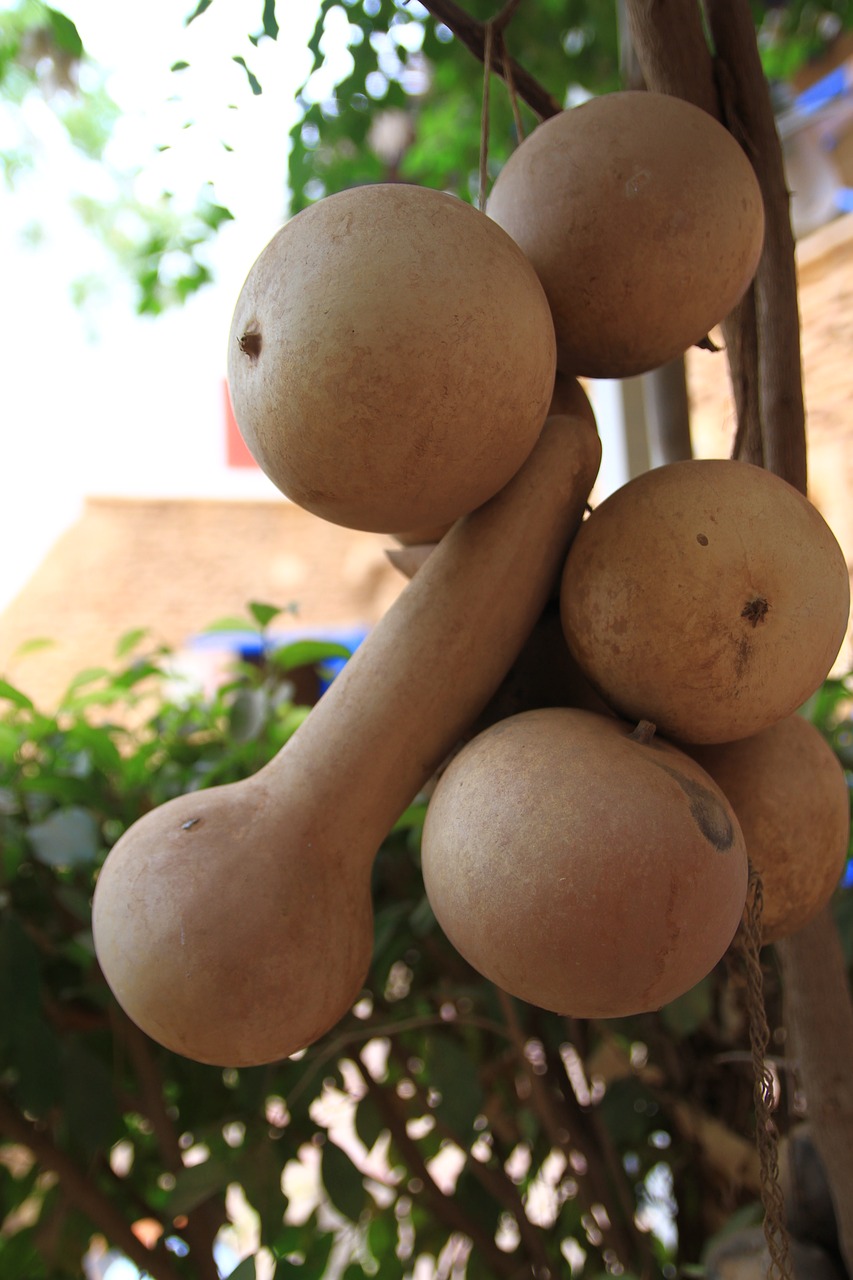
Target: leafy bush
<point>440,1120</point>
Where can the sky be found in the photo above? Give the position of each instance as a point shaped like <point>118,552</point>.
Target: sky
<point>103,402</point>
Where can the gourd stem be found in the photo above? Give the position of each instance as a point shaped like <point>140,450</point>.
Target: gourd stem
<point>452,635</point>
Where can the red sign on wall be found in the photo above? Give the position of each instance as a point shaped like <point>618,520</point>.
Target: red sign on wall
<point>236,450</point>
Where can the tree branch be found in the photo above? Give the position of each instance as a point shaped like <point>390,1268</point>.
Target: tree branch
<point>84,1194</point>
<point>572,1130</point>
<point>748,113</point>
<point>821,1028</point>
<point>444,1207</point>
<point>672,52</point>
<point>472,33</point>
<point>499,1185</point>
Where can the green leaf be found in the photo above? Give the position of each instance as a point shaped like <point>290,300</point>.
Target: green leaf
<point>317,1254</point>
<point>129,641</point>
<point>34,646</point>
<point>19,975</point>
<point>229,624</point>
<point>412,818</point>
<point>244,1270</point>
<point>422,920</point>
<point>368,1122</point>
<point>179,66</point>
<point>307,653</point>
<point>259,1173</point>
<point>36,1053</point>
<point>10,742</point>
<point>66,838</point>
<point>451,1071</point>
<point>200,8</point>
<point>197,1184</point>
<point>476,1202</point>
<point>291,1239</point>
<point>382,1237</point>
<point>65,33</point>
<point>97,741</point>
<point>254,83</point>
<point>343,1182</point>
<point>270,23</point>
<point>11,694</point>
<point>687,1014</point>
<point>91,1112</point>
<point>263,613</point>
<point>214,215</point>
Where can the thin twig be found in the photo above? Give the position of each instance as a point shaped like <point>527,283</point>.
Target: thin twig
<point>472,34</point>
<point>567,1132</point>
<point>495,1180</point>
<point>378,1030</point>
<point>501,20</point>
<point>444,1207</point>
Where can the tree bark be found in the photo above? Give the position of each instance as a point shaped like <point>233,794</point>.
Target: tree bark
<point>672,52</point>
<point>748,112</point>
<point>820,1025</point>
<point>763,347</point>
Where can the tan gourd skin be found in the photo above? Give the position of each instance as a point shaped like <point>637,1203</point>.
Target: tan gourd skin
<point>788,789</point>
<point>234,925</point>
<point>643,218</point>
<point>707,596</point>
<point>580,870</point>
<point>568,398</point>
<point>391,358</point>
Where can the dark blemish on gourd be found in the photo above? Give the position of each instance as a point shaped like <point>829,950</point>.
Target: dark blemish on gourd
<point>250,344</point>
<point>705,809</point>
<point>755,611</point>
<point>702,539</point>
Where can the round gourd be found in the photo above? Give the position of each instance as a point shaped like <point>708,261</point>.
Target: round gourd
<point>583,870</point>
<point>644,220</point>
<point>234,924</point>
<point>707,596</point>
<point>391,358</point>
<point>788,789</point>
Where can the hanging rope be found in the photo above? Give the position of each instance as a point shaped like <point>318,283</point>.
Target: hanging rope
<point>748,945</point>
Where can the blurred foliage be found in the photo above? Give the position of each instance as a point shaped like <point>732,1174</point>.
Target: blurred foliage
<point>158,246</point>
<point>552,1135</point>
<point>409,108</point>
<point>403,104</point>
